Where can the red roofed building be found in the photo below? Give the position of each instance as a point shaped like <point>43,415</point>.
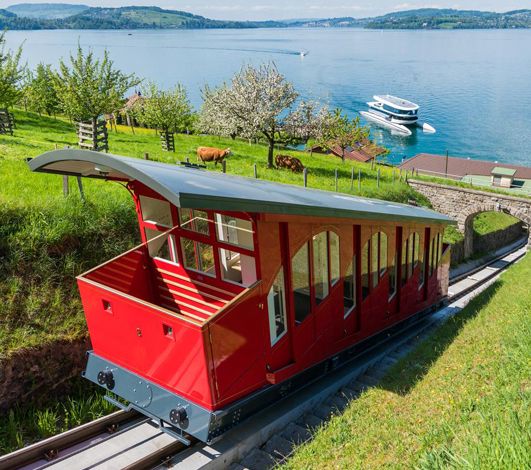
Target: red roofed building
<point>479,172</point>
<point>363,152</point>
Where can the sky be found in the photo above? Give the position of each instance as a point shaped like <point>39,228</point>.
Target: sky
<point>284,9</point>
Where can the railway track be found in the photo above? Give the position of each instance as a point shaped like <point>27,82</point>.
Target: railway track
<point>131,441</point>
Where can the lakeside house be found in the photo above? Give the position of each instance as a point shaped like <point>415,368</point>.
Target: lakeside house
<point>476,172</point>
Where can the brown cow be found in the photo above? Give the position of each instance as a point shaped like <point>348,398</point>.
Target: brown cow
<point>212,154</point>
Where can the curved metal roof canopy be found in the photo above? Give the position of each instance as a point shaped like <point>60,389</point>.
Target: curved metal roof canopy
<point>201,189</point>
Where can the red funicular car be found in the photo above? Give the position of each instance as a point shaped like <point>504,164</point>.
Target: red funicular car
<point>244,290</point>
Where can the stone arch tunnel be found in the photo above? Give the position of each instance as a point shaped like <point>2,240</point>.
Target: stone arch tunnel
<point>463,204</point>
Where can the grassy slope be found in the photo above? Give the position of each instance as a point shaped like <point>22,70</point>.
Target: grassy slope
<point>45,240</point>
<point>483,223</point>
<point>460,400</point>
<point>487,222</point>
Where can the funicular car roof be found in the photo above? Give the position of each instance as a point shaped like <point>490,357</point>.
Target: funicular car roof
<point>200,189</point>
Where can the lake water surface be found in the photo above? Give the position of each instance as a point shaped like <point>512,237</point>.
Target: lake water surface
<point>474,87</point>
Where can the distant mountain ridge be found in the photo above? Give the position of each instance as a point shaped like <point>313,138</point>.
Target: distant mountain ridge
<point>46,11</point>
<point>430,18</point>
<point>66,16</point>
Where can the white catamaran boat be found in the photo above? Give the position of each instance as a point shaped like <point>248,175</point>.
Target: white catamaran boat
<point>394,113</point>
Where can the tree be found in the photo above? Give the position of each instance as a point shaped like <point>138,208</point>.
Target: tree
<point>340,131</point>
<point>89,87</point>
<point>11,73</point>
<point>307,121</point>
<point>256,102</point>
<point>167,111</point>
<point>214,118</point>
<point>40,92</point>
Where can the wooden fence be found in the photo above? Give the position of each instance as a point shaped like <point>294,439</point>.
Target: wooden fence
<point>93,136</point>
<point>7,122</point>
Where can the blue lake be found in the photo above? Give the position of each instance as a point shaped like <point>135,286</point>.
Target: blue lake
<point>474,87</point>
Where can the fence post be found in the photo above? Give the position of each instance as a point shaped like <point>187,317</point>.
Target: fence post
<point>305,177</point>
<point>146,156</point>
<point>336,178</point>
<point>352,179</point>
<point>378,178</point>
<point>255,171</point>
<point>66,189</point>
<point>80,186</point>
<point>224,166</point>
<point>359,180</point>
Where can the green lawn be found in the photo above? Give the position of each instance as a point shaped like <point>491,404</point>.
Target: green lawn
<point>483,223</point>
<point>488,222</point>
<point>460,400</point>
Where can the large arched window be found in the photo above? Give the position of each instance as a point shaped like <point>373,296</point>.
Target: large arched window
<point>374,262</point>
<point>300,280</point>
<point>365,270</point>
<point>422,263</point>
<point>410,256</point>
<point>378,256</point>
<point>333,241</point>
<point>320,266</point>
<point>392,277</point>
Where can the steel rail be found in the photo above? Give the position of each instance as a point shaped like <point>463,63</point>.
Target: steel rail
<point>49,449</point>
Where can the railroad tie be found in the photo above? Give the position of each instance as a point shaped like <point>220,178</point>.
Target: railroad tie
<point>278,447</point>
<point>296,434</point>
<point>258,459</point>
<point>323,411</point>
<point>311,421</point>
<point>338,402</point>
<point>348,393</point>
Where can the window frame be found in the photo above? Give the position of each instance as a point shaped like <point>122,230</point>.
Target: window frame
<point>308,245</point>
<point>347,313</point>
<point>178,232</point>
<point>331,282</point>
<point>367,264</point>
<point>215,274</point>
<point>327,258</point>
<point>172,247</point>
<point>394,277</point>
<point>422,260</point>
<point>275,341</point>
